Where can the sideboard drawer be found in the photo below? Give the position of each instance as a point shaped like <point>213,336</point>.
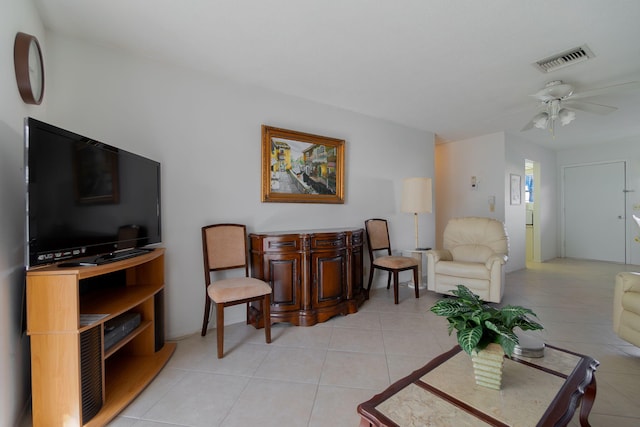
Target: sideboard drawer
<point>332,241</point>
<point>285,243</point>
<point>357,238</point>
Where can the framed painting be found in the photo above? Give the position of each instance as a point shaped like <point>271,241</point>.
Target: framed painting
<point>515,189</point>
<point>300,167</point>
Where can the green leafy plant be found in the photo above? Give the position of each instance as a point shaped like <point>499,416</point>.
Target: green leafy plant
<point>478,324</point>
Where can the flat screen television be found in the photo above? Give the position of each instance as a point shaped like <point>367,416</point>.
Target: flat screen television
<point>87,202</point>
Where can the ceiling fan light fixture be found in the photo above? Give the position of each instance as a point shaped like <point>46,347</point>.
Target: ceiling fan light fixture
<point>566,116</point>
<point>541,120</point>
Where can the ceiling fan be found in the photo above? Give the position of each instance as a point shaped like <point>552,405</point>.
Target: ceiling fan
<point>558,100</point>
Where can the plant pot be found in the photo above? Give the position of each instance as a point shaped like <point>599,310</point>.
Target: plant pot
<point>487,366</point>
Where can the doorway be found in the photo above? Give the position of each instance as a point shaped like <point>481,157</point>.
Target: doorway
<point>532,208</point>
<point>594,211</point>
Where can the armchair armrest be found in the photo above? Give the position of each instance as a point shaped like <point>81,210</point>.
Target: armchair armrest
<point>626,307</point>
<point>433,256</point>
<point>628,281</point>
<point>436,255</point>
<point>499,259</point>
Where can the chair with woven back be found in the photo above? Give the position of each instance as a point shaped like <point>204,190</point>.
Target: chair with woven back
<point>225,248</point>
<point>378,240</point>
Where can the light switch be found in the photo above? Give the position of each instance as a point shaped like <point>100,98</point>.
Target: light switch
<point>474,183</point>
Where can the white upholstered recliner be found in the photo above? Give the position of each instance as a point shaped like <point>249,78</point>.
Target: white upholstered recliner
<point>475,251</point>
<point>626,307</point>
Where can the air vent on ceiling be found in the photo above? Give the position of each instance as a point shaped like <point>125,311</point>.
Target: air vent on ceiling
<point>564,59</point>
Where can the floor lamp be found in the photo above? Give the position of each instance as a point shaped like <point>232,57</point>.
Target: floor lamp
<point>416,198</point>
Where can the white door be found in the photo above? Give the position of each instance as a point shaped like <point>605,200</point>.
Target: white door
<point>594,211</point>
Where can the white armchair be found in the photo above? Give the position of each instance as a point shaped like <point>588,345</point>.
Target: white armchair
<point>626,307</point>
<point>474,254</point>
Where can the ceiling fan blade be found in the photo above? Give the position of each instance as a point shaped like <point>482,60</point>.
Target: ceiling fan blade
<point>622,87</point>
<point>527,126</point>
<point>590,107</point>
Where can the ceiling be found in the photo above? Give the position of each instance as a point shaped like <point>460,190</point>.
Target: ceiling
<point>456,68</point>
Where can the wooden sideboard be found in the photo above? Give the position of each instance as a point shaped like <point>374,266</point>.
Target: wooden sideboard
<point>315,274</point>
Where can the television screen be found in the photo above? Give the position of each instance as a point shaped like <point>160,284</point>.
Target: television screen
<point>85,199</point>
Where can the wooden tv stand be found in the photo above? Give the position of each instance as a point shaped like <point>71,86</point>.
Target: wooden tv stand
<point>75,381</point>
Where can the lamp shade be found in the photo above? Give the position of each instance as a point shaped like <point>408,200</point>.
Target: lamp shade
<point>416,195</point>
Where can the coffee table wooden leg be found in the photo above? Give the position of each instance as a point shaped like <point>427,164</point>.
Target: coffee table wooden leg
<point>587,402</point>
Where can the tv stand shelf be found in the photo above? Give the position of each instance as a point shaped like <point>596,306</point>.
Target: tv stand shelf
<point>131,335</point>
<point>116,301</point>
<point>75,381</point>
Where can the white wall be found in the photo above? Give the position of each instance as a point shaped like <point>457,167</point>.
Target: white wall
<point>206,133</point>
<point>456,162</point>
<point>492,159</point>
<point>17,15</point>
<point>627,150</point>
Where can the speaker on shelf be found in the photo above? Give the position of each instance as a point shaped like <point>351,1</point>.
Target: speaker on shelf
<point>158,309</point>
<point>91,372</point>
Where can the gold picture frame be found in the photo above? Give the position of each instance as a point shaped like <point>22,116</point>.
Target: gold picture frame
<point>299,167</point>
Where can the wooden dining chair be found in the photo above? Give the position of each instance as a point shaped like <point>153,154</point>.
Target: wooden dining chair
<point>224,247</point>
<point>378,240</point>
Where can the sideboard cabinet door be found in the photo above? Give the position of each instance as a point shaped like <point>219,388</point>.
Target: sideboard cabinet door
<point>329,285</point>
<point>328,269</point>
<point>283,273</point>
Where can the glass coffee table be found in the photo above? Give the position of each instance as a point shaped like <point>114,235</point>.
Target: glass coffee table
<point>542,391</point>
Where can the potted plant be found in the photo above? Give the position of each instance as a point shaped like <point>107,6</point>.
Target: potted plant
<point>486,333</point>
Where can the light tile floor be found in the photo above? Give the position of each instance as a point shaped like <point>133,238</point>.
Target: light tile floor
<point>316,376</point>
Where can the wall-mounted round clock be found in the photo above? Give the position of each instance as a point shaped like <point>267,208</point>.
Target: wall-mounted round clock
<point>27,59</point>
